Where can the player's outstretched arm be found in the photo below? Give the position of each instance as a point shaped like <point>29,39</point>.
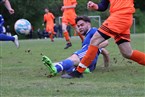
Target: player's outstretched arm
<point>8,6</point>
<point>102,6</point>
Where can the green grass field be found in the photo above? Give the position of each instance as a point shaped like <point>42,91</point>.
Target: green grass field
<point>22,73</point>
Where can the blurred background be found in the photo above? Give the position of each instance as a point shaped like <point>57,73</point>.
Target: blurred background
<point>33,10</point>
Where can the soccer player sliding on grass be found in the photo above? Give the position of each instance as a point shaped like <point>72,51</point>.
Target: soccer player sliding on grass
<point>68,65</point>
<point>116,26</point>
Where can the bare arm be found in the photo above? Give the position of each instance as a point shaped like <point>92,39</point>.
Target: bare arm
<point>102,6</point>
<point>106,57</point>
<point>67,7</point>
<point>8,6</point>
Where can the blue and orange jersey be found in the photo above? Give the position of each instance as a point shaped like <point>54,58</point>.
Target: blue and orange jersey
<point>69,3</point>
<point>117,6</point>
<point>49,18</point>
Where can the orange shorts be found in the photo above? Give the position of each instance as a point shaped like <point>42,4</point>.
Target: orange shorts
<point>50,29</point>
<point>69,19</point>
<point>117,26</point>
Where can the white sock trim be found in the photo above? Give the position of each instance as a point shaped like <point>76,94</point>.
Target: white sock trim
<point>82,65</point>
<point>60,65</point>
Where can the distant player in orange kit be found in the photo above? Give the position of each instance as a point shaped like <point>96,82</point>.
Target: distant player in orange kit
<point>116,26</point>
<point>49,21</point>
<point>68,17</point>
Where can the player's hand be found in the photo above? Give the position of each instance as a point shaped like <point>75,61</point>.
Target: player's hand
<point>11,11</point>
<point>43,24</point>
<point>92,6</point>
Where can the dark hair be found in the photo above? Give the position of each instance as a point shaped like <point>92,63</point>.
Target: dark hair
<point>84,18</point>
<point>46,8</point>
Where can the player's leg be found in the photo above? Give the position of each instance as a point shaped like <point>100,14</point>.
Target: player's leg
<point>92,52</point>
<point>16,42</point>
<point>123,41</point>
<point>49,31</point>
<point>80,35</point>
<point>55,68</point>
<point>52,34</point>
<point>135,55</point>
<point>50,66</point>
<point>65,32</point>
<point>110,28</point>
<point>66,35</point>
<point>4,37</point>
<point>14,39</point>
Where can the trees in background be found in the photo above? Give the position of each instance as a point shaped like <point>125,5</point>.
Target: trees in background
<point>33,10</point>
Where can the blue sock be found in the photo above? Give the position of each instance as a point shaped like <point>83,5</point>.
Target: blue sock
<point>4,37</point>
<point>71,69</point>
<point>64,65</point>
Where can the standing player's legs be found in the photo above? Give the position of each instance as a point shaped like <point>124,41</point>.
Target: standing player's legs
<point>113,27</point>
<point>76,30</point>
<point>73,24</point>
<point>65,32</point>
<point>71,21</point>
<point>135,55</point>
<point>123,41</point>
<point>50,30</point>
<point>52,34</point>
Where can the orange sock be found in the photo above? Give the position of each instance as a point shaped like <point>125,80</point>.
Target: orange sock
<point>51,36</point>
<point>81,36</point>
<point>88,58</point>
<point>138,57</point>
<point>66,35</point>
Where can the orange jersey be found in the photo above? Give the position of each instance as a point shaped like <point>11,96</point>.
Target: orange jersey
<point>122,6</point>
<point>49,19</point>
<point>69,3</point>
<point>118,24</point>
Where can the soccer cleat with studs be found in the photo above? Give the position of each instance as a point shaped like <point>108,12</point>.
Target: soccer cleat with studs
<point>68,45</point>
<point>74,74</point>
<point>48,63</point>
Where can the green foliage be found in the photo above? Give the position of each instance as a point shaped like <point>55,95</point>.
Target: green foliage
<point>140,21</point>
<point>140,4</point>
<point>33,10</point>
<point>22,73</point>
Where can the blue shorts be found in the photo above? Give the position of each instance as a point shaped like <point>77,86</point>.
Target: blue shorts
<point>81,53</point>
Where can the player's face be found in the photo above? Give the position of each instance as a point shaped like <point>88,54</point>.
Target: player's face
<point>46,10</point>
<point>83,26</point>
